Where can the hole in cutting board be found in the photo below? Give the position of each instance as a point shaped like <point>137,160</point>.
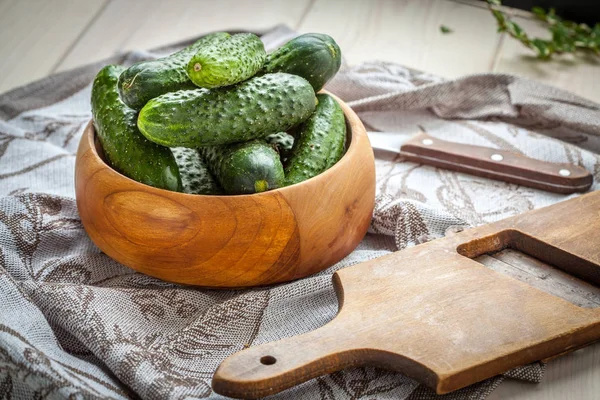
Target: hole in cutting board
<point>268,360</point>
<point>538,264</point>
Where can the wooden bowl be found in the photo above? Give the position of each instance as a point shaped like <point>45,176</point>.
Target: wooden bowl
<point>229,241</point>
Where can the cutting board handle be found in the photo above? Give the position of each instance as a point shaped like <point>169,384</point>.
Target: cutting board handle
<point>271,367</point>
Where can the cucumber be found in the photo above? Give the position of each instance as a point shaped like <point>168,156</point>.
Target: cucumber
<point>195,176</point>
<point>320,143</point>
<point>242,168</point>
<point>227,62</point>
<point>282,142</point>
<point>126,150</point>
<point>252,109</point>
<point>314,56</point>
<point>147,79</point>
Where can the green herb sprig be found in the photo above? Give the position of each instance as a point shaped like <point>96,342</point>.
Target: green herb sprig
<point>567,36</point>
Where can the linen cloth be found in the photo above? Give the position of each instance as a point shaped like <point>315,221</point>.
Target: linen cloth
<point>75,323</point>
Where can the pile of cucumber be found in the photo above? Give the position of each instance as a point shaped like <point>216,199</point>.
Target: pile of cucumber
<point>222,116</point>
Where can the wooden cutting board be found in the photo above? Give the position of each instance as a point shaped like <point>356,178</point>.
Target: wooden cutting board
<point>435,314</point>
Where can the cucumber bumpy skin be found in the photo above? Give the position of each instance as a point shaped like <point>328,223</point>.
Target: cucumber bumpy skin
<point>282,142</point>
<point>227,62</point>
<point>148,79</point>
<point>320,144</point>
<point>252,109</point>
<point>126,149</point>
<point>195,176</point>
<point>314,56</point>
<point>244,168</point>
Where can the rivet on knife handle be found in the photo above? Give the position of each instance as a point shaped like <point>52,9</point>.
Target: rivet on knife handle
<point>497,164</point>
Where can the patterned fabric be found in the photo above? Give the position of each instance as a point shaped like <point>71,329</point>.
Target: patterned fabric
<point>75,323</point>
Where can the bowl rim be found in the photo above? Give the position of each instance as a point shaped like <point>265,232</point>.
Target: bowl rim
<point>351,119</point>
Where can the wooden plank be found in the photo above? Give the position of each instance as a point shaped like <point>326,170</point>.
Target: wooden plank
<point>35,35</point>
<point>578,74</point>
<point>408,32</point>
<point>159,23</point>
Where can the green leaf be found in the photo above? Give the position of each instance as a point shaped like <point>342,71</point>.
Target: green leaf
<point>515,30</point>
<point>541,48</point>
<point>551,17</point>
<point>539,12</point>
<point>445,29</point>
<point>570,25</point>
<point>499,18</point>
<point>583,28</point>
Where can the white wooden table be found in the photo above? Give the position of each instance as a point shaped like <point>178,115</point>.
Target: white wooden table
<point>41,37</point>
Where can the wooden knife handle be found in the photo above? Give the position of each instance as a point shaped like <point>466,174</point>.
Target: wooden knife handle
<point>497,164</point>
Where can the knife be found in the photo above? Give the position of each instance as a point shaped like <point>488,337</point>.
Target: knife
<point>486,162</point>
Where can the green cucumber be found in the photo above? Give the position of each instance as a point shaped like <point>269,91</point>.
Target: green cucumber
<point>195,176</point>
<point>320,143</point>
<point>242,168</point>
<point>314,56</point>
<point>252,109</point>
<point>227,62</point>
<point>148,79</point>
<point>282,142</point>
<point>126,150</point>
